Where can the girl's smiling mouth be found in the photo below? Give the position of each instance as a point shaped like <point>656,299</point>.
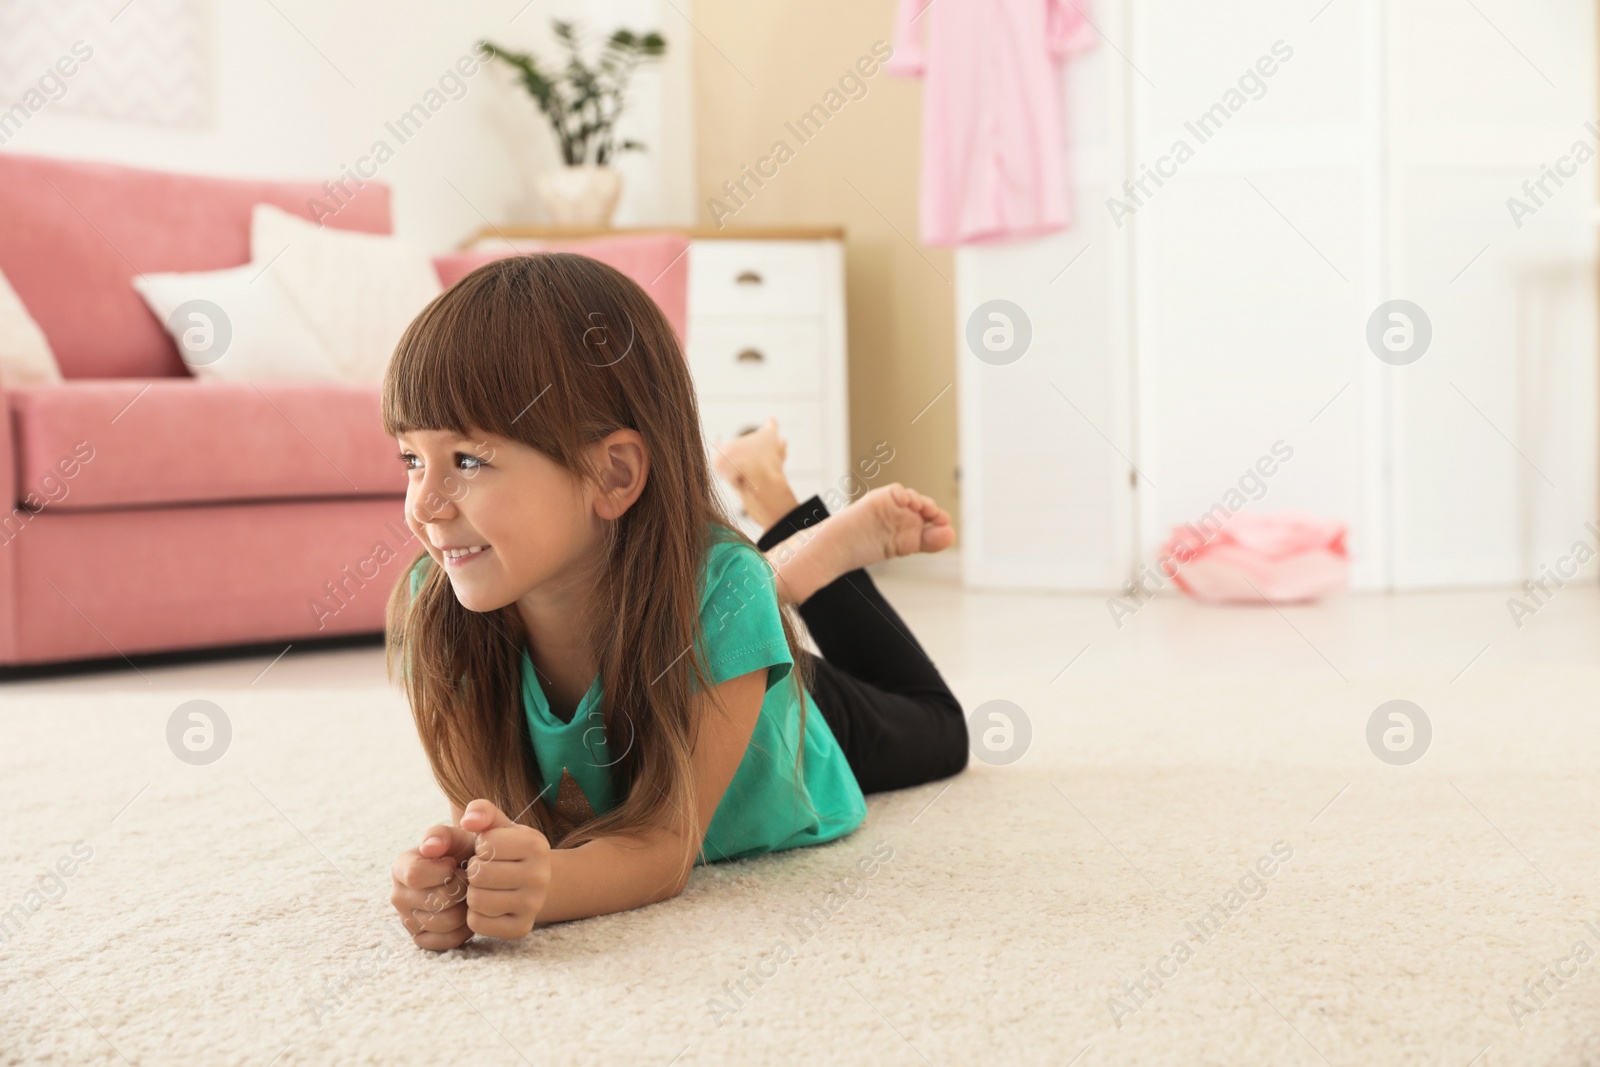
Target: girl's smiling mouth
<point>464,554</point>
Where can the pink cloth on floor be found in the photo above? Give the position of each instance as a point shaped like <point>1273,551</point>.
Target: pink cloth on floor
<point>1283,558</point>
<point>993,131</point>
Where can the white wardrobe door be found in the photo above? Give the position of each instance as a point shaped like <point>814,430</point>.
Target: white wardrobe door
<point>1257,262</point>
<point>1046,441</point>
<point>1373,164</point>
<point>1495,427</point>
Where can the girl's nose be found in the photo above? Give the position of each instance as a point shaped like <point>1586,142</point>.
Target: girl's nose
<point>434,501</point>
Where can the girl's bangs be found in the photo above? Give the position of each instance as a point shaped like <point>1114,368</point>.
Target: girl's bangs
<point>466,361</point>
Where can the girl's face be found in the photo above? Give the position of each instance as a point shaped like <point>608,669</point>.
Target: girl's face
<point>501,518</point>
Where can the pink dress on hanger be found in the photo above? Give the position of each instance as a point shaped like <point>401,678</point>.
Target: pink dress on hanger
<point>993,135</point>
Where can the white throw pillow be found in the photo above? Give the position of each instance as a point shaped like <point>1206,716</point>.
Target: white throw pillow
<point>25,355</point>
<point>357,291</point>
<point>236,325</point>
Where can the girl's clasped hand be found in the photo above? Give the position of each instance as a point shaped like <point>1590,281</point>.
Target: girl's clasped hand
<point>487,876</point>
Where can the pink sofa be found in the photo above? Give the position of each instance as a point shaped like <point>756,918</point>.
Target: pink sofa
<point>146,511</point>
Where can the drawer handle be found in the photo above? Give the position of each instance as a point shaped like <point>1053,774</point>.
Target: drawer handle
<point>748,277</point>
<point>750,355</point>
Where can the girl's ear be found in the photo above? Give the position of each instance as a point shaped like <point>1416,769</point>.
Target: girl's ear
<point>624,466</point>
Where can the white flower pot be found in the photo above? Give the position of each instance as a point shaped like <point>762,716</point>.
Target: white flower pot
<point>579,196</point>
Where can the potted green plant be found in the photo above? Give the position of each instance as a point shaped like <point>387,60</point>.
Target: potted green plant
<point>582,102</point>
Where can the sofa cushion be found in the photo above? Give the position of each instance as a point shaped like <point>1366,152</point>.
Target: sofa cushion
<point>236,325</point>
<point>25,356</point>
<point>356,291</point>
<point>75,233</point>
<point>110,443</point>
<point>657,261</point>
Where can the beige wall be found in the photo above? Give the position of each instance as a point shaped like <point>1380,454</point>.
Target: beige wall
<point>760,65</point>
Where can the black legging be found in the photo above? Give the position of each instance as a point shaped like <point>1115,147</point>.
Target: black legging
<point>895,718</point>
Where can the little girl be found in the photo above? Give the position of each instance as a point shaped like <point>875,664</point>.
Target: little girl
<point>592,650</point>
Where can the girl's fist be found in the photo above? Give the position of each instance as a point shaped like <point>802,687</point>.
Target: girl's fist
<point>508,873</point>
<point>430,888</point>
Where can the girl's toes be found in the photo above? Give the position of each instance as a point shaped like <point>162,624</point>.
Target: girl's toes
<point>929,509</point>
<point>938,538</point>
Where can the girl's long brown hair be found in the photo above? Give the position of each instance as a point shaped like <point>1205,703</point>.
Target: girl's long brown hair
<point>557,350</point>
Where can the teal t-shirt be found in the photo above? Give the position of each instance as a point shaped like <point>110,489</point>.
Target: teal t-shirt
<point>767,806</point>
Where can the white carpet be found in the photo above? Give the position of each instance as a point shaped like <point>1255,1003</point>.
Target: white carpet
<point>225,903</point>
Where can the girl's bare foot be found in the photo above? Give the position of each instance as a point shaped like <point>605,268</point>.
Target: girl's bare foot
<point>887,522</point>
<point>753,464</point>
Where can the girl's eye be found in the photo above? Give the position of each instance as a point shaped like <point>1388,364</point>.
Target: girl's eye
<point>406,458</point>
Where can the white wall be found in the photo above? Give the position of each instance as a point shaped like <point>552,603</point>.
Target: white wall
<point>304,89</point>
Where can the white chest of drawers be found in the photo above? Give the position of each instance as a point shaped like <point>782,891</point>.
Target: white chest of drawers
<point>766,337</point>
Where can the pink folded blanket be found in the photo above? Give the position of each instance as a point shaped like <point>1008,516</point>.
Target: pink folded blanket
<point>1286,557</point>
